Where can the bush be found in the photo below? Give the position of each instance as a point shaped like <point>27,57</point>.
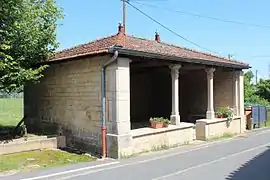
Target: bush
<point>225,112</point>
<point>158,120</point>
<point>256,100</point>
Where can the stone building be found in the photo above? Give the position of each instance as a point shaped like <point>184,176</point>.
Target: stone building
<point>117,83</point>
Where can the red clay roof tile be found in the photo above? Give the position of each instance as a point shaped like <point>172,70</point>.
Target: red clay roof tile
<point>138,44</point>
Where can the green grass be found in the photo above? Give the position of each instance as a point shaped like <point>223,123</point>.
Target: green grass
<point>223,136</point>
<point>156,148</point>
<point>11,111</point>
<point>39,159</point>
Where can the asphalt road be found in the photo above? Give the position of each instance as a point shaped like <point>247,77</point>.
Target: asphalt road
<point>242,158</point>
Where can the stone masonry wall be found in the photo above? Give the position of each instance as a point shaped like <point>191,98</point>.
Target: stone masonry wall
<point>194,92</point>
<point>194,95</point>
<point>67,101</point>
<point>150,94</point>
<point>140,96</point>
<point>223,89</point>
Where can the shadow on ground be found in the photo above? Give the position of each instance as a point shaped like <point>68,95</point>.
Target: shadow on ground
<point>6,133</point>
<point>257,168</point>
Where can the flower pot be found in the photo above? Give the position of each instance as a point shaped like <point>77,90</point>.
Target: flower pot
<point>157,125</point>
<point>220,116</point>
<point>165,124</point>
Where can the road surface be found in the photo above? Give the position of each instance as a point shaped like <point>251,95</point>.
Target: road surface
<point>246,157</point>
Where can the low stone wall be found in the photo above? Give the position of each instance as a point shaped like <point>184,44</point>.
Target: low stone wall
<point>32,143</point>
<point>147,139</point>
<point>206,128</point>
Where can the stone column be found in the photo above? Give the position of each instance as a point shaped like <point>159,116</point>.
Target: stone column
<point>175,117</point>
<point>236,93</point>
<point>210,114</point>
<point>241,101</point>
<point>119,139</point>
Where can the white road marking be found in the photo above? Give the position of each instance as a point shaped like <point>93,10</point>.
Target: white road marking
<point>139,162</point>
<point>199,147</point>
<point>210,162</point>
<point>71,171</point>
<point>203,146</point>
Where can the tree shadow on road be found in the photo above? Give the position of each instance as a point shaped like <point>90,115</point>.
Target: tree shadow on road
<point>257,168</point>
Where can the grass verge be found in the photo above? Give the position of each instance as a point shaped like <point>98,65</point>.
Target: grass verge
<point>11,111</point>
<point>223,136</point>
<point>156,148</point>
<point>26,161</point>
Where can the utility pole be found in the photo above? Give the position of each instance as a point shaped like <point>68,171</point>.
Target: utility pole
<point>230,56</point>
<point>124,15</point>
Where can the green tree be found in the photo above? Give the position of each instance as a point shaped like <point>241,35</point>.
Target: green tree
<point>263,89</point>
<point>27,37</point>
<point>248,86</point>
<point>252,95</point>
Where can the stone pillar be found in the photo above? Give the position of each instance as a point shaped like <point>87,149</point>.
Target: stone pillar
<point>210,114</point>
<point>236,93</point>
<point>175,117</point>
<point>119,139</point>
<point>241,101</point>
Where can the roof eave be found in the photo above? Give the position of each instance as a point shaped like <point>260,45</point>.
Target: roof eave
<point>130,52</point>
<point>74,56</point>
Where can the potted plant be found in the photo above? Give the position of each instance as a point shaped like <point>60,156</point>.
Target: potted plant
<point>225,112</point>
<point>220,113</point>
<point>166,122</point>
<point>159,122</point>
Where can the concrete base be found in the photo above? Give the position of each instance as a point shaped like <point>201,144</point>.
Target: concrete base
<point>31,144</point>
<point>243,123</point>
<point>117,145</point>
<point>148,139</point>
<point>210,114</point>
<point>175,119</point>
<point>208,128</point>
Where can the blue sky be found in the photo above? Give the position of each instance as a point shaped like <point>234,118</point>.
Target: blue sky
<point>86,20</point>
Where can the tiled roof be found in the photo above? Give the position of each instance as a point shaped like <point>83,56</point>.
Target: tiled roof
<point>138,44</point>
<point>94,47</point>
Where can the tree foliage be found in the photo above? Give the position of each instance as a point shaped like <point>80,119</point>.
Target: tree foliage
<point>263,89</point>
<point>248,86</point>
<point>256,94</point>
<point>27,37</point>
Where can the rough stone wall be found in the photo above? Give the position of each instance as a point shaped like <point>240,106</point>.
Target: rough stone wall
<point>193,99</point>
<point>150,94</point>
<point>67,101</point>
<point>140,93</point>
<point>223,89</point>
<point>194,94</point>
<point>162,93</point>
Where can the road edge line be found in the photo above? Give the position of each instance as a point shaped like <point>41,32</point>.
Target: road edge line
<point>71,171</point>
